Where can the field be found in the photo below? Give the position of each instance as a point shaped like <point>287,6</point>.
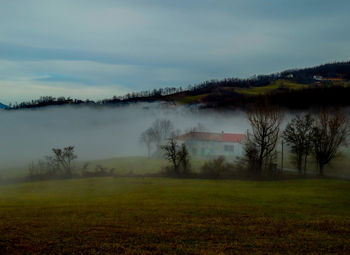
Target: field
<point>253,91</point>
<point>141,165</point>
<point>136,165</point>
<point>159,215</point>
<point>339,167</point>
<point>191,99</point>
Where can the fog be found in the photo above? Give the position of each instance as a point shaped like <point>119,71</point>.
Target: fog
<point>98,133</point>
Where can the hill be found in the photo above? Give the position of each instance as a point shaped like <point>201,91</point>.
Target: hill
<point>2,106</point>
<point>327,84</point>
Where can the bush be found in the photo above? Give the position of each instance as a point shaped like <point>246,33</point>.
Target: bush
<point>100,171</point>
<point>217,168</point>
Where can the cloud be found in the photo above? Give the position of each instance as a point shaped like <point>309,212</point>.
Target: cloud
<point>18,91</point>
<point>142,45</point>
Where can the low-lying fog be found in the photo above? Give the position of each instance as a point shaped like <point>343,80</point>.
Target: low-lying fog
<point>98,133</point>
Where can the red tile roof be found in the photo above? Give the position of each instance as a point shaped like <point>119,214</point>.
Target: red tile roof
<point>232,138</point>
<point>219,137</point>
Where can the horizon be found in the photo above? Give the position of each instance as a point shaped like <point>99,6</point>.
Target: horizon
<point>89,50</point>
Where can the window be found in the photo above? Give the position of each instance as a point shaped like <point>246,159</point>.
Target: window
<point>228,148</point>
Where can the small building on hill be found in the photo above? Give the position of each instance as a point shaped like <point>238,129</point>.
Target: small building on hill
<point>318,77</point>
<point>210,145</point>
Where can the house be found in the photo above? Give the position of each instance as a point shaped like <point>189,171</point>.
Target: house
<point>204,144</point>
<point>317,78</point>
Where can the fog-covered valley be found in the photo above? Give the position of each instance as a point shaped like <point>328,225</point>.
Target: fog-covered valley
<point>98,133</point>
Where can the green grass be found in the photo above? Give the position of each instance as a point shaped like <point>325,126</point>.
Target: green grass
<point>191,99</point>
<point>338,166</point>
<point>135,165</point>
<point>122,165</point>
<point>342,83</point>
<point>159,215</point>
<point>271,87</point>
<point>139,165</point>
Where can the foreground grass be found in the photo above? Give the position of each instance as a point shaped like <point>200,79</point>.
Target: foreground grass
<point>155,215</point>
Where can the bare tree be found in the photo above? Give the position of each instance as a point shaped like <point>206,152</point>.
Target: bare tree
<point>162,129</point>
<point>265,122</point>
<point>184,160</point>
<point>178,156</point>
<point>250,158</point>
<point>57,165</point>
<point>330,133</point>
<point>63,158</point>
<point>299,134</point>
<point>147,138</point>
<point>171,154</point>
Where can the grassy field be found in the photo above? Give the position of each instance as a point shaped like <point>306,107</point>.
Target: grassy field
<point>143,165</point>
<point>339,166</point>
<point>271,87</point>
<point>135,165</point>
<point>191,99</point>
<point>159,215</point>
<point>140,165</point>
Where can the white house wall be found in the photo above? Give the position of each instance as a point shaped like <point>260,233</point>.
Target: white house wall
<point>212,148</point>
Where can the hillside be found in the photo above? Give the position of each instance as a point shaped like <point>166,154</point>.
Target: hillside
<point>300,88</point>
<point>327,84</point>
<point>2,106</point>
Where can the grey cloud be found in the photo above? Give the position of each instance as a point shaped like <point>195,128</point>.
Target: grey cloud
<point>173,43</point>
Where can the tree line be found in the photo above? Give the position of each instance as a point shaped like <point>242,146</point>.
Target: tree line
<point>320,136</point>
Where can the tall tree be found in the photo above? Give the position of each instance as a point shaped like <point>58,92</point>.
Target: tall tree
<point>172,155</point>
<point>184,160</point>
<point>147,138</point>
<point>299,136</point>
<point>265,122</point>
<point>330,133</point>
<point>178,156</point>
<point>162,129</point>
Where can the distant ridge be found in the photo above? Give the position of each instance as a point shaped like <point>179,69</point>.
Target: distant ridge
<point>320,86</point>
<point>2,106</point>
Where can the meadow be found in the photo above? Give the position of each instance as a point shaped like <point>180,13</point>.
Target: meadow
<point>177,216</point>
<point>253,91</point>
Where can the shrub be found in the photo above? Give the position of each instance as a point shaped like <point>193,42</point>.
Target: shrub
<point>217,168</point>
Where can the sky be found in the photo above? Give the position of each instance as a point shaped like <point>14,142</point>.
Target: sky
<point>97,49</point>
